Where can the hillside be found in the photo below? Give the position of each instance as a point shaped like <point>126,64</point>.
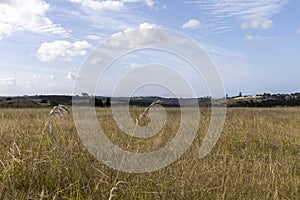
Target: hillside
<point>260,100</point>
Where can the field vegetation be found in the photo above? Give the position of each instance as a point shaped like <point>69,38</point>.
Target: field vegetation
<point>257,157</point>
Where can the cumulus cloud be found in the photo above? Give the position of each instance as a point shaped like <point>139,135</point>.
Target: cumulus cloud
<point>109,4</point>
<point>255,38</point>
<point>258,24</point>
<point>5,29</point>
<point>148,35</point>
<point>191,24</point>
<point>147,25</point>
<point>62,49</point>
<point>9,82</point>
<point>15,15</point>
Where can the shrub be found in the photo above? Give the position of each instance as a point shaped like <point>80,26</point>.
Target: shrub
<point>44,101</point>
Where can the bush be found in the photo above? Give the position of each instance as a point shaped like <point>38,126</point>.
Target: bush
<point>96,102</point>
<point>107,102</point>
<point>54,103</point>
<point>44,101</point>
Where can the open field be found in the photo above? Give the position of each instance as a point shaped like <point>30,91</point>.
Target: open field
<point>257,157</point>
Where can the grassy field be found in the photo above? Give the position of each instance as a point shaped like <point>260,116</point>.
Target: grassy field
<point>257,157</point>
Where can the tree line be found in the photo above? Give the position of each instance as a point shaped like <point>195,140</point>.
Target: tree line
<point>97,102</point>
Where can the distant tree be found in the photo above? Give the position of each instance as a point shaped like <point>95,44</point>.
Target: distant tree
<point>96,102</point>
<point>108,102</point>
<point>266,95</point>
<point>240,94</point>
<point>8,99</point>
<point>54,103</point>
<point>84,94</point>
<point>44,101</point>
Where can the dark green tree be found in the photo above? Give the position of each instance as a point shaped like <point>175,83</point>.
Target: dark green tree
<point>44,101</point>
<point>94,101</point>
<point>108,102</point>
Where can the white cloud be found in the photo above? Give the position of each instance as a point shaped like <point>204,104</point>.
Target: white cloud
<point>128,37</point>
<point>94,37</point>
<point>9,82</point>
<point>298,31</point>
<point>191,24</point>
<point>15,15</point>
<point>62,49</point>
<point>147,26</point>
<point>5,29</point>
<point>149,3</point>
<point>264,24</point>
<point>100,5</point>
<point>255,38</point>
<point>52,77</point>
<point>252,14</point>
<point>109,4</point>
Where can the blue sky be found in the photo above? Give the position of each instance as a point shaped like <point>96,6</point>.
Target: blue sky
<point>255,44</point>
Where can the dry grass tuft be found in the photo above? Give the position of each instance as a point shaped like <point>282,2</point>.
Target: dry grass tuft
<point>59,110</point>
<point>120,185</point>
<point>143,114</point>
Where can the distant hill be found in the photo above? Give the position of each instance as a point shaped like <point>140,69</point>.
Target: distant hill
<point>265,100</point>
<point>260,100</point>
<point>19,103</point>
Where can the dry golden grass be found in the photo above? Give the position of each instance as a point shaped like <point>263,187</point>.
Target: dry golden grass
<point>257,157</point>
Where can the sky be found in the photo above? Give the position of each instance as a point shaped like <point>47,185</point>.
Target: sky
<point>254,44</point>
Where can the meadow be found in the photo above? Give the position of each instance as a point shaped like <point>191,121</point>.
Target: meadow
<point>257,157</point>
